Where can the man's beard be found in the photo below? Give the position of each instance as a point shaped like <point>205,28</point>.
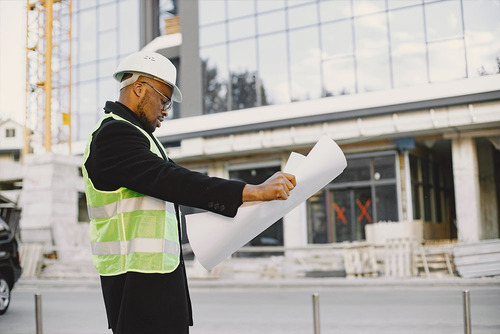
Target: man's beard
<point>141,114</point>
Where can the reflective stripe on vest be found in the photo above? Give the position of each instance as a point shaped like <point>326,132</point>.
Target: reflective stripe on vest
<point>129,205</point>
<point>139,245</point>
<point>130,231</point>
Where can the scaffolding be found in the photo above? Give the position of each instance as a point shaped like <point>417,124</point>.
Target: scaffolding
<point>48,77</point>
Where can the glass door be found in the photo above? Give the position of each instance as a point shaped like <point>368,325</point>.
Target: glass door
<point>349,211</point>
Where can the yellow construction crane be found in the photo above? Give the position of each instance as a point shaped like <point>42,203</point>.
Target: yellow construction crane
<point>48,76</point>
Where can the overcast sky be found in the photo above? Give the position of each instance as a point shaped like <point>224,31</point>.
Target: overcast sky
<point>12,59</point>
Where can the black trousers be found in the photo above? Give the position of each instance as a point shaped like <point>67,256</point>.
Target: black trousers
<point>138,303</point>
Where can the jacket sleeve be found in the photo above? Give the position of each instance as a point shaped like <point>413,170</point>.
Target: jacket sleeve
<point>120,157</point>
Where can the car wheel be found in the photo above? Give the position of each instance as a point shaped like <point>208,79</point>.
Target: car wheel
<point>4,294</point>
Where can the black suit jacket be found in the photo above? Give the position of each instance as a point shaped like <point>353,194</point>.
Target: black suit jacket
<point>120,157</point>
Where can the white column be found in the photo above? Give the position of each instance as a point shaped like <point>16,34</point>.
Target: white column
<point>466,180</point>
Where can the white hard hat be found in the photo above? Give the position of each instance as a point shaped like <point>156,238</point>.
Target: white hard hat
<point>150,64</point>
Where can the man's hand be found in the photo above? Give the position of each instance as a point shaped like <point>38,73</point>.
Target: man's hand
<point>277,186</point>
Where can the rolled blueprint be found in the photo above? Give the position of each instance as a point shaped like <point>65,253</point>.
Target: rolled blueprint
<point>213,237</point>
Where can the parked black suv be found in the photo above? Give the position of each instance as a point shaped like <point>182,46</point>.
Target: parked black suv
<point>10,263</point>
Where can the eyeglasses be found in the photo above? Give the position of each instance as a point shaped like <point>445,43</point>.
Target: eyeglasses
<point>167,105</point>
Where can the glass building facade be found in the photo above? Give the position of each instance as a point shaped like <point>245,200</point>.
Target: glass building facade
<point>257,53</point>
<point>103,32</point>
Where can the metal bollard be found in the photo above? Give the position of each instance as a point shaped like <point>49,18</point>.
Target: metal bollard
<point>467,329</point>
<point>38,313</point>
<point>316,312</point>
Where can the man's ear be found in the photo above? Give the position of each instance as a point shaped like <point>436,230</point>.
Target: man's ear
<point>138,89</point>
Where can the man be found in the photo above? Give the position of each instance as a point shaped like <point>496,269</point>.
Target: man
<point>133,191</point>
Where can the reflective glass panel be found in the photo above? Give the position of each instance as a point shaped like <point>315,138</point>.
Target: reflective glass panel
<point>305,64</point>
<point>86,4</point>
<point>339,76</point>
<point>408,47</point>
<point>240,8</point>
<point>107,91</point>
<point>443,19</point>
<point>482,36</point>
<point>271,22</point>
<point>336,39</point>
<point>386,202</point>
<point>341,213</point>
<point>302,16</point>
<point>358,169</point>
<point>215,79</point>
<point>106,68</point>
<point>87,72</point>
<point>107,44</point>
<point>372,53</point>
<point>88,36</point>
<point>88,99</point>
<point>317,219</point>
<point>213,34</point>
<point>107,17</point>
<point>385,167</point>
<point>273,68</point>
<point>266,5</point>
<point>334,9</point>
<point>243,69</point>
<point>403,3</point>
<point>210,11</point>
<point>362,7</point>
<point>241,28</point>
<point>446,60</point>
<point>128,26</point>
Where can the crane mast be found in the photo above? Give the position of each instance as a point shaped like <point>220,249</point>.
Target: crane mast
<point>48,77</point>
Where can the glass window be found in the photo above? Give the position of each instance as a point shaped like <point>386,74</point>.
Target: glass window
<point>391,4</point>
<point>88,100</point>
<point>317,219</point>
<point>240,8</point>
<point>213,34</point>
<point>368,7</point>
<point>107,17</point>
<point>446,60</point>
<point>443,19</point>
<point>271,22</point>
<point>482,36</point>
<point>273,69</point>
<point>302,16</point>
<point>106,68</point>
<point>386,203</point>
<point>241,28</point>
<point>305,59</point>
<point>107,44</point>
<point>87,72</point>
<point>385,167</point>
<point>129,26</point>
<point>339,76</point>
<point>107,91</point>
<point>211,11</point>
<point>408,47</point>
<point>336,39</point>
<point>358,169</point>
<point>243,68</point>
<point>88,36</point>
<point>215,79</point>
<point>86,4</point>
<point>333,10</point>
<point>263,6</point>
<point>372,53</point>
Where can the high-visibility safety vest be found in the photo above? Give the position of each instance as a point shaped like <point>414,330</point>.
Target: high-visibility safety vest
<point>130,231</point>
